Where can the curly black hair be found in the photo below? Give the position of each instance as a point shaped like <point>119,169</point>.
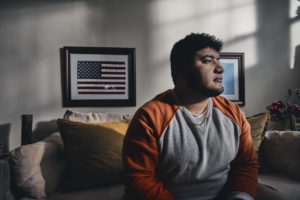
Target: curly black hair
<point>184,51</point>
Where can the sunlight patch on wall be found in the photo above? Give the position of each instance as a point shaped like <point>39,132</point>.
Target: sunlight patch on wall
<point>295,30</point>
<point>294,43</point>
<point>167,12</point>
<point>243,20</point>
<point>293,8</point>
<point>249,47</point>
<point>170,21</point>
<point>233,21</point>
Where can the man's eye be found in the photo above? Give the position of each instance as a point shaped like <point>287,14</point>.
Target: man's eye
<point>207,61</point>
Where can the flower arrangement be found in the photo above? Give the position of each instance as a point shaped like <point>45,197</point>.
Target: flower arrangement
<point>279,111</point>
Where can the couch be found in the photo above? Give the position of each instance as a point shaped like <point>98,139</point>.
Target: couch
<point>69,164</point>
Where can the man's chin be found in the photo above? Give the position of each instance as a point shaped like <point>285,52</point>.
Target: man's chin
<point>209,92</point>
<point>214,93</point>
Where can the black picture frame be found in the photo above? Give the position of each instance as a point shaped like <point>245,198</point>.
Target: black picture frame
<point>233,76</point>
<point>98,76</point>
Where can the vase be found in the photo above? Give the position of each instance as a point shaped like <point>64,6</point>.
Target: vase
<point>278,125</point>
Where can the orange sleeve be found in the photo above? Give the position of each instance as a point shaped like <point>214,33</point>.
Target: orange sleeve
<point>140,155</point>
<point>244,172</point>
<point>243,175</point>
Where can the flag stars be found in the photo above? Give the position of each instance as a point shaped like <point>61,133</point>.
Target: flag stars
<point>88,70</point>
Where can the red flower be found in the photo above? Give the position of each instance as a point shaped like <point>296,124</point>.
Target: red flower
<point>274,108</point>
<point>278,103</point>
<point>295,108</point>
<point>277,110</point>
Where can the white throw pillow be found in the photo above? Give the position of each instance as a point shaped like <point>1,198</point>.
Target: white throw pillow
<point>38,167</point>
<point>281,149</point>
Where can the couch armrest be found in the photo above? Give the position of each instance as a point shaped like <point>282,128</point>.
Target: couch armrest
<point>5,192</point>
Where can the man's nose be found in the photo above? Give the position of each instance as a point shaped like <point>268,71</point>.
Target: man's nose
<point>219,68</point>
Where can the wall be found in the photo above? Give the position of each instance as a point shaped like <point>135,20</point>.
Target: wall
<point>32,33</point>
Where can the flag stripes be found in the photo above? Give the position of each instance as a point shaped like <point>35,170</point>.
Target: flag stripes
<point>100,82</point>
<point>112,63</point>
<point>113,77</point>
<point>112,72</point>
<point>111,67</point>
<point>106,88</point>
<point>101,92</point>
<point>101,77</point>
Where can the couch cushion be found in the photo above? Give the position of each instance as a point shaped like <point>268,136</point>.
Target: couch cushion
<point>93,152</point>
<point>95,117</point>
<point>38,167</point>
<point>281,150</point>
<point>287,185</point>
<point>106,192</point>
<point>258,126</point>
<point>5,190</point>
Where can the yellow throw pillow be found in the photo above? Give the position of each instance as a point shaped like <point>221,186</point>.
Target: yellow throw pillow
<point>258,127</point>
<point>93,152</point>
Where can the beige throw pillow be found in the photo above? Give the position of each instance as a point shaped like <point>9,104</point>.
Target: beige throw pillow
<point>38,167</point>
<point>281,149</point>
<point>95,117</point>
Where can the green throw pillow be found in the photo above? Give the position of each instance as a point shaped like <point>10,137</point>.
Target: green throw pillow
<point>258,127</point>
<point>93,152</point>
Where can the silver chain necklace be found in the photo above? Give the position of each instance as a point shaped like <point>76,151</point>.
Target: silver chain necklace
<point>185,115</point>
<point>188,118</point>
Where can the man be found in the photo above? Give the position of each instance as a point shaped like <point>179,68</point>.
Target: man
<point>189,143</point>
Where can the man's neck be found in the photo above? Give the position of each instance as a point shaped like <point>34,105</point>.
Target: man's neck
<point>194,102</point>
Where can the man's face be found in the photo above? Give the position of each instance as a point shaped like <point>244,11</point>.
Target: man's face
<point>205,75</point>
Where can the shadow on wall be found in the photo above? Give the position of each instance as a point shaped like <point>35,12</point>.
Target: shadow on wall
<point>34,32</point>
<point>44,129</point>
<point>4,137</point>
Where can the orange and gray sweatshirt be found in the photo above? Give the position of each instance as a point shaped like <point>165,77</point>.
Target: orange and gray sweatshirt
<point>167,154</point>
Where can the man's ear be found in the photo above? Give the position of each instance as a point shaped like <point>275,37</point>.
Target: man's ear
<point>180,70</point>
<point>180,74</point>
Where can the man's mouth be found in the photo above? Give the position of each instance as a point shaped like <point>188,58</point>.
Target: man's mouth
<point>218,80</point>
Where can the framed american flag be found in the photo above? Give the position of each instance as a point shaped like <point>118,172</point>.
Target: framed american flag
<point>98,76</point>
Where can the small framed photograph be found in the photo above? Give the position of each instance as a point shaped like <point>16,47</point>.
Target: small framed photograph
<point>98,76</point>
<point>233,77</point>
